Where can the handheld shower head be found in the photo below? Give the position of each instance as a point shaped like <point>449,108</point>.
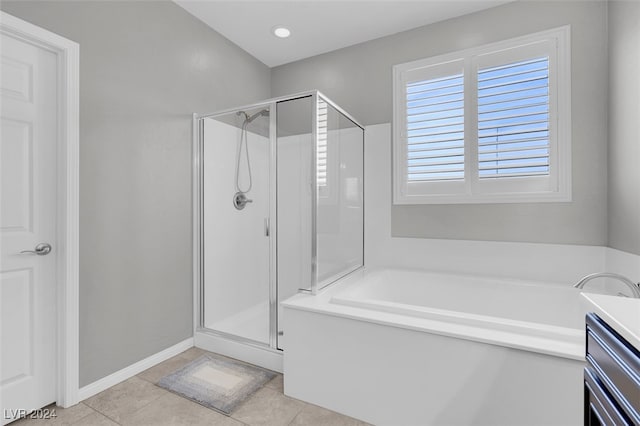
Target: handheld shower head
<point>249,118</point>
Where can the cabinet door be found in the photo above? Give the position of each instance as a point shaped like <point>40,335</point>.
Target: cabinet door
<point>616,365</point>
<point>600,408</point>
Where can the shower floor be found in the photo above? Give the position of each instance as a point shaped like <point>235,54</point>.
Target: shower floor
<point>251,323</point>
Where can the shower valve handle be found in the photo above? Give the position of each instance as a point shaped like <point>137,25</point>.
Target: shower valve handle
<point>240,200</point>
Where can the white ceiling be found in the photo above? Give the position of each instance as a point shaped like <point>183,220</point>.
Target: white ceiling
<point>320,26</point>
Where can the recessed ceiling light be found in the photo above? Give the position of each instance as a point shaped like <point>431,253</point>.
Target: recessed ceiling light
<point>281,32</point>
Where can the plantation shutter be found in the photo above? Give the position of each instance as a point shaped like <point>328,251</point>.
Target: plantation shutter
<point>513,119</point>
<point>435,129</point>
<point>321,148</point>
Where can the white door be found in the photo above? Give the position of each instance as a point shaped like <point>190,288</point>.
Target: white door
<point>27,220</point>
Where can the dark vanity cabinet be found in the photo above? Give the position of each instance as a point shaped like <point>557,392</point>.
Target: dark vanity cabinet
<point>611,377</point>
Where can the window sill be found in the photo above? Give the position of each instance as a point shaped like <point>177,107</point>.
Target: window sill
<point>544,197</point>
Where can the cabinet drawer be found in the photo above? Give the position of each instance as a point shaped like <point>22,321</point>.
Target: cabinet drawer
<point>617,365</point>
<point>600,404</point>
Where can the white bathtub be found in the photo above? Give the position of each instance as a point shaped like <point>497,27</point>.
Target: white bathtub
<point>541,317</point>
<point>402,347</point>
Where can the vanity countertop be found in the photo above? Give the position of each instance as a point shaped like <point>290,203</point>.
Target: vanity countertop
<point>621,313</point>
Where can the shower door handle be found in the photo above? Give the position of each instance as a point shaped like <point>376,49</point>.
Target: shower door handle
<point>267,230</point>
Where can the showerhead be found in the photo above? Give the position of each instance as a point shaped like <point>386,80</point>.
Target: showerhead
<point>249,118</point>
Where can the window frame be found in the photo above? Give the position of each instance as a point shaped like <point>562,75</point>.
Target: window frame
<point>555,187</point>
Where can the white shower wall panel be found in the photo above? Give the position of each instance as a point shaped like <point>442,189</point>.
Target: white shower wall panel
<point>339,216</point>
<point>294,214</point>
<point>340,205</point>
<point>236,249</point>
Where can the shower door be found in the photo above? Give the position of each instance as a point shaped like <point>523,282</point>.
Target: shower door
<point>236,214</point>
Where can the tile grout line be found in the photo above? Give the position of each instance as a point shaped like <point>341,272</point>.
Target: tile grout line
<point>99,412</point>
<point>296,416</point>
<point>139,409</point>
<point>146,380</point>
<point>241,404</point>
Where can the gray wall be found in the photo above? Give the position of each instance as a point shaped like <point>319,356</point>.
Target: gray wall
<point>624,126</point>
<point>358,78</point>
<point>144,68</point>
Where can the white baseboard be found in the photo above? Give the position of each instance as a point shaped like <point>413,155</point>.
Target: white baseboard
<point>119,376</point>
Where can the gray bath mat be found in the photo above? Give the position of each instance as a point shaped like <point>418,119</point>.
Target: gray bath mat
<point>215,382</point>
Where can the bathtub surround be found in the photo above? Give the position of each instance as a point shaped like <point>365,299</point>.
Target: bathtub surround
<point>624,263</point>
<point>474,380</point>
<point>359,78</point>
<point>139,84</point>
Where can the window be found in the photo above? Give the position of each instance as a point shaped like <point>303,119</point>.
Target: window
<point>487,125</point>
<point>321,147</point>
<point>326,161</point>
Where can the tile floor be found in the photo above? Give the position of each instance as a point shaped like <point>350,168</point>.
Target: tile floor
<point>138,401</point>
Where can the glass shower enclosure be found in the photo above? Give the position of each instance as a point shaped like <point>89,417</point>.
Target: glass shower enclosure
<point>278,209</point>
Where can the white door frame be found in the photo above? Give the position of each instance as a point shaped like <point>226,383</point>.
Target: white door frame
<point>67,250</point>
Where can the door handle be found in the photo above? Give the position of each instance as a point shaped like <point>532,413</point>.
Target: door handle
<point>41,249</point>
